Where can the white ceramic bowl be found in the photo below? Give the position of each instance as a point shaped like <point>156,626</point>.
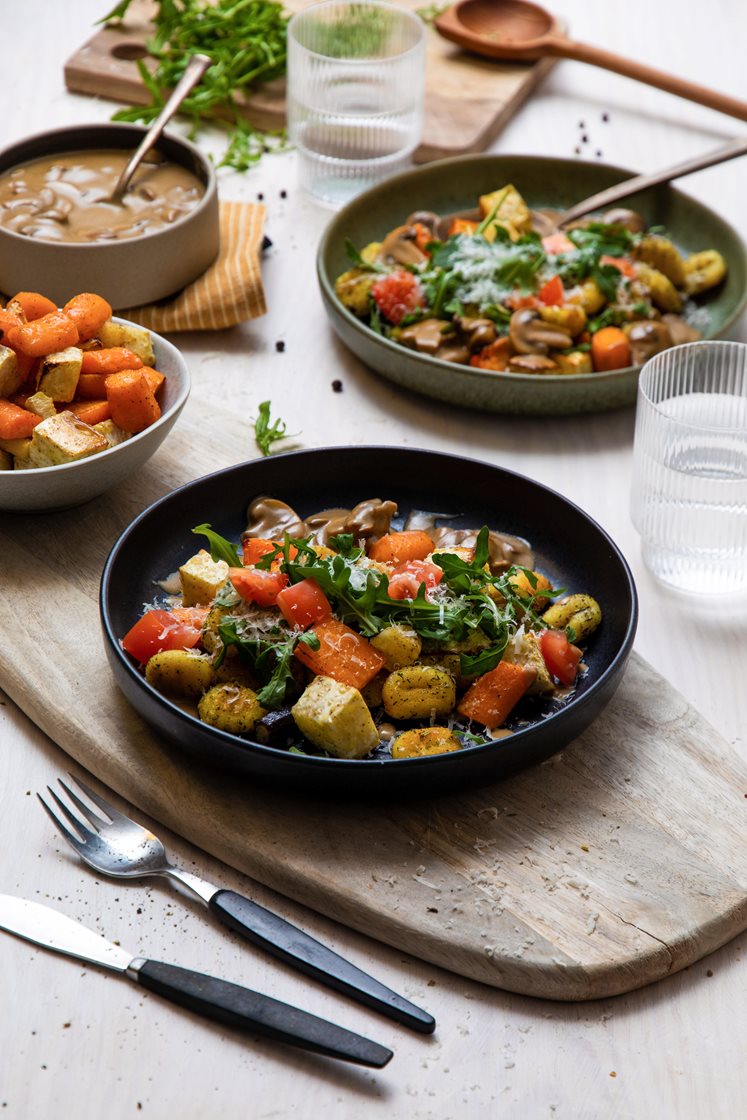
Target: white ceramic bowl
<point>71,484</point>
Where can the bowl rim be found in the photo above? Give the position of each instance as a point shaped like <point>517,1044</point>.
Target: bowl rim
<point>403,179</point>
<point>250,746</point>
<point>175,406</point>
<point>116,128</point>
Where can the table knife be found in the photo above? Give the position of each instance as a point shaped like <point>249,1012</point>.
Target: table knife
<point>217,999</point>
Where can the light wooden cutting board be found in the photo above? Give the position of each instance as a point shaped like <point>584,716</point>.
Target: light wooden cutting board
<point>610,866</point>
<point>468,100</point>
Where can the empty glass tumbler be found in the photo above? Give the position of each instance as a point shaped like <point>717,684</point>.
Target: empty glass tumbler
<point>689,498</point>
<point>356,75</point>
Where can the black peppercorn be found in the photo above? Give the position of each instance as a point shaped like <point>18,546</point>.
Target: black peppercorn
<point>337,386</point>
<point>280,346</point>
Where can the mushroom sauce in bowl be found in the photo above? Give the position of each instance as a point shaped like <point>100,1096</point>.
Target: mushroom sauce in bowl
<point>67,197</point>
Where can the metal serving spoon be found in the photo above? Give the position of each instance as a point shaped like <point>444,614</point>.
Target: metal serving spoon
<point>519,31</point>
<point>194,70</point>
<point>547,223</point>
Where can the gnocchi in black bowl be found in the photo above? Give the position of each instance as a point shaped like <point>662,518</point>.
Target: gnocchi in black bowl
<point>344,624</point>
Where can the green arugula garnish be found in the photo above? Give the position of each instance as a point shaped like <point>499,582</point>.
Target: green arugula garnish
<point>246,40</point>
<point>271,659</point>
<point>354,256</point>
<point>268,431</point>
<point>220,548</point>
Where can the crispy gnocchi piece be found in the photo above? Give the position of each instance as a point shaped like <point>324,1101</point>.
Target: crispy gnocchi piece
<point>659,287</point>
<point>230,707</point>
<point>398,645</point>
<point>421,741</point>
<point>704,270</point>
<point>663,255</point>
<point>179,672</point>
<point>418,691</point>
<point>581,612</point>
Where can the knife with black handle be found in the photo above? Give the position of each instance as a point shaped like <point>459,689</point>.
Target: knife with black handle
<point>217,999</point>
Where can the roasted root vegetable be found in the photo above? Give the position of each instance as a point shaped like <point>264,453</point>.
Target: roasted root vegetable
<point>493,696</point>
<point>55,368</point>
<point>341,654</point>
<point>335,717</point>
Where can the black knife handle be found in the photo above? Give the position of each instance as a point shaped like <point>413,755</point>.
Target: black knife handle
<point>283,940</point>
<point>241,1007</point>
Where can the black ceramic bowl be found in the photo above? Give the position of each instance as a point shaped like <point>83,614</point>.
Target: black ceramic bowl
<point>570,548</point>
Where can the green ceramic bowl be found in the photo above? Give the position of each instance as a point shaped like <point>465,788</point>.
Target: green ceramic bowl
<point>453,185</point>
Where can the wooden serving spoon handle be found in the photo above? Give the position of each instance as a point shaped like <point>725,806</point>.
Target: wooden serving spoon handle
<point>561,47</point>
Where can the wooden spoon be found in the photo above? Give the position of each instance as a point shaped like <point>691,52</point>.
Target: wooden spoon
<point>519,31</point>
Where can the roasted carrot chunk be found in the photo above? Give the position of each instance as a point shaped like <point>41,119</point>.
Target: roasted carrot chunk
<point>33,304</point>
<point>55,331</point>
<point>155,379</point>
<point>131,399</point>
<point>91,386</point>
<point>91,412</point>
<point>343,655</point>
<point>88,312</point>
<point>112,360</point>
<point>493,695</point>
<point>15,422</point>
<point>395,548</point>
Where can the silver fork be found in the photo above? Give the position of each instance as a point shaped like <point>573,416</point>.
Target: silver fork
<point>120,847</point>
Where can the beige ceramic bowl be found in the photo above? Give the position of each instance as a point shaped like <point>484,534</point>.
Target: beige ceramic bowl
<point>71,484</point>
<point>127,273</point>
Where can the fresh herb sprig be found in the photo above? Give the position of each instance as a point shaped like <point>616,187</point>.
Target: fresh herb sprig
<point>593,242</point>
<point>270,658</point>
<point>247,42</point>
<point>268,431</point>
<point>220,548</point>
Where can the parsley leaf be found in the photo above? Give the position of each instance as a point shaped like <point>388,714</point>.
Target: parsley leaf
<point>220,548</point>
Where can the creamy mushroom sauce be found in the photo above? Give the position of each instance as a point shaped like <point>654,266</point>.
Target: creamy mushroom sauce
<point>66,197</point>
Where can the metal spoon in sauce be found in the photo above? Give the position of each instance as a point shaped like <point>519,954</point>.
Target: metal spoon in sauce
<point>519,31</point>
<point>194,70</point>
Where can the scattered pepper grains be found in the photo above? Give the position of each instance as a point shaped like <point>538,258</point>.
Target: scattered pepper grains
<point>280,346</point>
<point>584,139</point>
<point>283,194</point>
<point>709,972</point>
<point>260,197</point>
<point>598,154</point>
<point>605,117</point>
<point>613,1074</point>
<point>337,386</point>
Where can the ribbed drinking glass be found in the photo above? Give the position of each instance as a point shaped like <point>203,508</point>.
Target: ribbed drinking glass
<point>689,497</point>
<point>356,75</point>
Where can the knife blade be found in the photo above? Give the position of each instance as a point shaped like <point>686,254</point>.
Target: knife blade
<point>217,999</point>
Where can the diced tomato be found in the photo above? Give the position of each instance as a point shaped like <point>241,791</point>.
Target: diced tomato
<point>159,630</point>
<point>397,294</point>
<point>302,604</point>
<point>552,293</point>
<point>626,267</point>
<point>258,586</point>
<point>557,243</point>
<point>254,548</point>
<point>561,658</point>
<point>407,579</point>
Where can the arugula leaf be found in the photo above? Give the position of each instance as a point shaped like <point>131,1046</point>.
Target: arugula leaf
<point>268,431</point>
<point>220,548</point>
<point>353,255</point>
<point>344,544</point>
<point>475,664</point>
<point>271,658</point>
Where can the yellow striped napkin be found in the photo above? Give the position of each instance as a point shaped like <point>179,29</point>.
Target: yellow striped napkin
<point>229,292</point>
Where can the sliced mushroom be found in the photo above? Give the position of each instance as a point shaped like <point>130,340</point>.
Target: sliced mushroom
<point>680,330</point>
<point>370,519</point>
<point>505,550</point>
<point>529,334</point>
<point>427,335</point>
<point>646,337</point>
<point>477,332</point>
<point>424,218</point>
<point>531,363</point>
<point>270,518</point>
<point>400,246</point>
<point>455,353</point>
<point>630,219</point>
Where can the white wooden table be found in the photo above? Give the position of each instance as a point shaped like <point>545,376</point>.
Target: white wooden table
<point>74,1041</point>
